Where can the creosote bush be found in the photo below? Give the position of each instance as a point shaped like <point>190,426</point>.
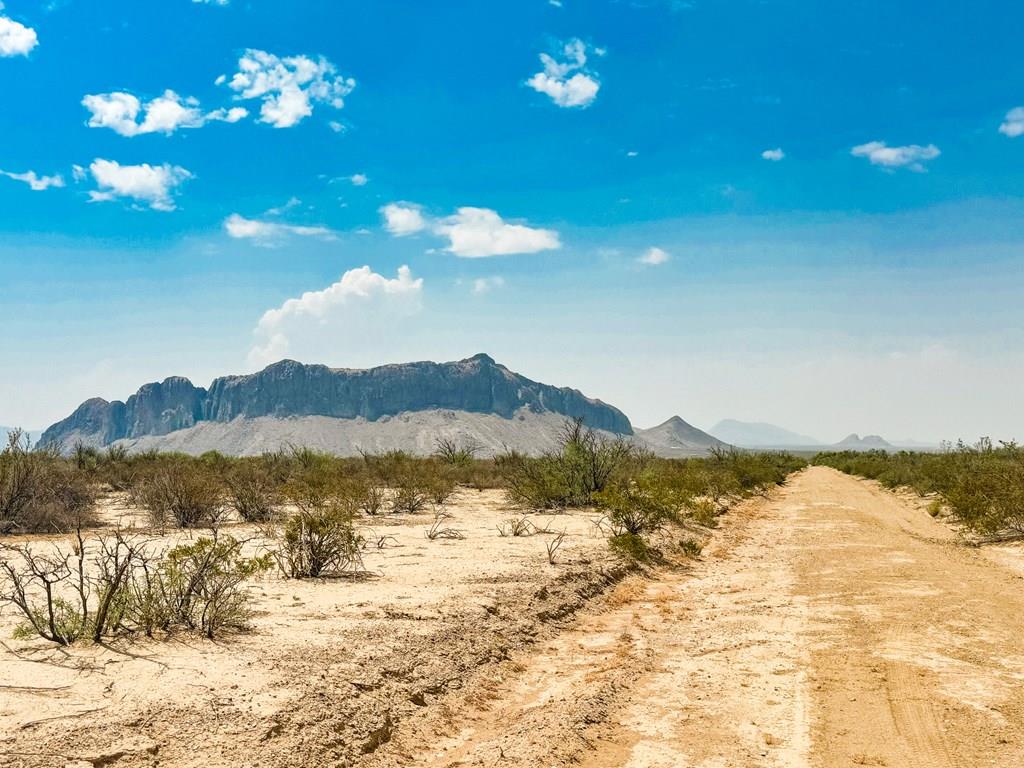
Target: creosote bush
<point>181,493</point>
<point>41,492</point>
<point>114,585</point>
<point>318,542</point>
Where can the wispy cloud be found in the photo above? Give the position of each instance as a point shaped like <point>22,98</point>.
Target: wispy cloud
<point>119,111</point>
<point>482,285</point>
<point>35,182</point>
<point>1013,125</point>
<point>568,82</point>
<point>268,232</point>
<point>654,257</point>
<point>288,87</point>
<point>912,156</point>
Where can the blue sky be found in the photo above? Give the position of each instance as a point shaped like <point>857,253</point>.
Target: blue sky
<point>805,213</point>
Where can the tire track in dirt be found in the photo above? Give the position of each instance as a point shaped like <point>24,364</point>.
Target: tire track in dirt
<point>833,625</point>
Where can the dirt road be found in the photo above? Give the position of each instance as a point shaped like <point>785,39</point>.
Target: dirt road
<point>832,625</point>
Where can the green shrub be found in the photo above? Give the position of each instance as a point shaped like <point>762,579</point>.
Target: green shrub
<point>183,493</point>
<point>320,542</point>
<point>40,492</point>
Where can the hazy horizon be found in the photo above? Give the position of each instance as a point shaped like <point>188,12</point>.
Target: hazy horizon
<point>806,216</point>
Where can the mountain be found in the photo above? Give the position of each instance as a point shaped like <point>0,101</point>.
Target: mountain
<point>341,410</point>
<point>751,434</point>
<point>677,438</point>
<point>855,442</point>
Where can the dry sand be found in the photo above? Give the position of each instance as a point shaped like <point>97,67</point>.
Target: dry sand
<point>834,624</point>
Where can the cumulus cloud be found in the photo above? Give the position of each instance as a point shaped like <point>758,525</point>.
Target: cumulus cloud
<point>654,256</point>
<point>480,232</point>
<point>15,38</point>
<point>289,86</point>
<point>471,232</point>
<point>152,185</point>
<point>358,179</point>
<point>567,82</point>
<point>774,154</point>
<point>1013,125</point>
<point>912,156</point>
<point>402,219</point>
<point>361,305</point>
<point>482,285</point>
<point>268,232</point>
<point>119,111</point>
<point>36,183</point>
<point>212,2</point>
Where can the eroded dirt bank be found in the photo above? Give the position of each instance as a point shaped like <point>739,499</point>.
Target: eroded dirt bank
<point>833,625</point>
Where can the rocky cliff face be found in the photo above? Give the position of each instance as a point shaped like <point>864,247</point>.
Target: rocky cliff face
<point>290,389</point>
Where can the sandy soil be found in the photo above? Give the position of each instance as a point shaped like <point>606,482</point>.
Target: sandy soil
<point>329,667</point>
<point>833,624</point>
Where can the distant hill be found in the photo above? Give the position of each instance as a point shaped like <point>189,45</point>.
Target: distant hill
<point>341,410</point>
<point>677,438</point>
<point>855,442</point>
<point>752,434</point>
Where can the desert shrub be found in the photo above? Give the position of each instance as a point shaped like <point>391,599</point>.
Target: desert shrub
<point>553,545</point>
<point>440,529</point>
<point>320,542</point>
<point>451,452</point>
<point>691,547</point>
<point>40,492</point>
<point>113,584</point>
<point>582,466</point>
<point>203,583</point>
<point>252,491</point>
<point>639,507</point>
<point>633,547</point>
<point>182,493</point>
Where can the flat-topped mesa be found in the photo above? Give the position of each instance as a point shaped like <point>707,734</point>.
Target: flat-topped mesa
<point>290,389</point>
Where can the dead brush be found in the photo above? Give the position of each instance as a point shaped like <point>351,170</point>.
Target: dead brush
<point>553,545</point>
<point>522,526</point>
<point>439,530</point>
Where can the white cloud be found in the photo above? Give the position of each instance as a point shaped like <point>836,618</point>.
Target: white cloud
<point>775,155</point>
<point>912,156</point>
<point>36,183</point>
<point>568,83</point>
<point>401,219</point>
<point>119,111</point>
<point>654,256</point>
<point>482,285</point>
<point>632,153</point>
<point>288,86</point>
<point>266,232</point>
<point>361,305</point>
<point>358,179</point>
<point>471,232</point>
<point>149,184</point>
<point>212,2</point>
<point>15,38</point>
<point>336,126</point>
<point>480,232</point>
<point>1013,125</point>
